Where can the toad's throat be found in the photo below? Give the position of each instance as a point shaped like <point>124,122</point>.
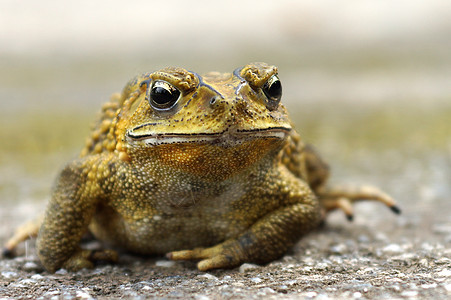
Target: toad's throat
<point>228,137</point>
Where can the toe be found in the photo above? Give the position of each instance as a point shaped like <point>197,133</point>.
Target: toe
<point>216,262</point>
<point>187,254</point>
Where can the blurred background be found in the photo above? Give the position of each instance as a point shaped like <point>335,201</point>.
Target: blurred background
<point>368,82</point>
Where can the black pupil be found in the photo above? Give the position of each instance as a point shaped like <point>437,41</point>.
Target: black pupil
<point>164,97</point>
<point>274,91</point>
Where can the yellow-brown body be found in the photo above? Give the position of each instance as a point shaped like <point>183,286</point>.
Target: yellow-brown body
<point>179,161</point>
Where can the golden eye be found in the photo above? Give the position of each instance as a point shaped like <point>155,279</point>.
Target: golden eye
<point>163,95</point>
<point>273,91</point>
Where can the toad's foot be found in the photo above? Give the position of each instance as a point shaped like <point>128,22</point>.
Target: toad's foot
<point>343,197</point>
<point>226,255</point>
<point>87,259</point>
<point>24,232</point>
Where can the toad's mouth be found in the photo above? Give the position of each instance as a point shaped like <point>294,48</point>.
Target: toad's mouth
<point>227,137</point>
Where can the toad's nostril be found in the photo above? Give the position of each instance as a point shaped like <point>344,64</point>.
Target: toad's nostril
<point>213,100</point>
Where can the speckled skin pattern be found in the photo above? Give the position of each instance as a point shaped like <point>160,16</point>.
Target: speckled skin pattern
<point>220,176</point>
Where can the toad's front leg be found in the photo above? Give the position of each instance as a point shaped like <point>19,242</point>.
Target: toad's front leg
<point>67,217</point>
<point>266,240</point>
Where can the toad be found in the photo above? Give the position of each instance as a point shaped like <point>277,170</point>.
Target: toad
<point>206,168</point>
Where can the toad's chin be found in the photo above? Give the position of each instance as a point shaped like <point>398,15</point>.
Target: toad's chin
<point>211,157</point>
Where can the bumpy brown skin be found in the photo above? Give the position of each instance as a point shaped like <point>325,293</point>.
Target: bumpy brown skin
<point>221,172</point>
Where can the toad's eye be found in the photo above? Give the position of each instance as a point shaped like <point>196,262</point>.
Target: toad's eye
<point>273,91</point>
<point>163,95</point>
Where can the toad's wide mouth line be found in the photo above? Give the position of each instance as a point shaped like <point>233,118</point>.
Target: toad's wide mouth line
<point>224,137</point>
